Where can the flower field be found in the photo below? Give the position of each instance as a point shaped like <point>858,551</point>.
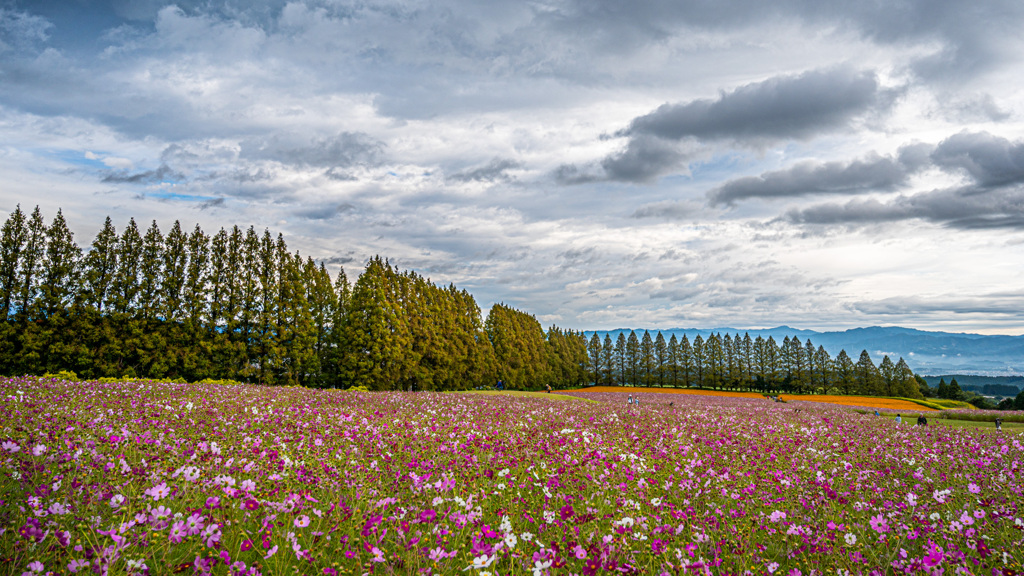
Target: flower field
<point>157,478</point>
<point>861,401</point>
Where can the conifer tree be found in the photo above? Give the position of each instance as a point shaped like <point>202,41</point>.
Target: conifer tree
<point>101,268</point>
<point>866,375</point>
<point>888,376</point>
<point>175,273</point>
<point>714,361</point>
<point>846,373</point>
<point>954,391</point>
<point>151,273</point>
<point>661,359</point>
<point>621,362</point>
<point>822,371</point>
<point>197,279</point>
<point>62,270</point>
<point>699,361</point>
<point>687,363</point>
<point>748,359</point>
<point>633,359</point>
<point>32,259</point>
<point>908,383</point>
<point>594,350</point>
<point>12,242</point>
<point>125,285</point>
<point>673,371</point>
<point>608,361</point>
<point>648,362</point>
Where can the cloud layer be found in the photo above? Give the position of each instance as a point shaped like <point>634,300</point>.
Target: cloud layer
<point>600,164</point>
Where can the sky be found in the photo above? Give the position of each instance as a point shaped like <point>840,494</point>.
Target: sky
<point>821,164</point>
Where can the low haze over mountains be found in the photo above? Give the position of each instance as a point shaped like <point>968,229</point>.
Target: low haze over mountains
<point>927,353</point>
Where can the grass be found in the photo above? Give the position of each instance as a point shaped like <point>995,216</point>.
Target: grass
<point>936,420</point>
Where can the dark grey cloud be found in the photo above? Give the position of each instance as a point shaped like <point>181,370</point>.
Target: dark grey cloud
<point>569,174</point>
<point>783,107</point>
<point>988,159</point>
<point>215,203</point>
<point>493,171</point>
<point>875,173</point>
<point>644,159</point>
<point>162,174</point>
<point>343,150</point>
<point>780,108</point>
<point>324,212</point>
<point>961,208</point>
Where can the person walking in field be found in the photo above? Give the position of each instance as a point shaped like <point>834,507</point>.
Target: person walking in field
<point>999,423</point>
<point>629,399</point>
<point>899,419</point>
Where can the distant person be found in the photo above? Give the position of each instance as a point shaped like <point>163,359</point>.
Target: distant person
<point>876,413</point>
<point>548,386</point>
<point>629,399</point>
<point>999,423</point>
<point>922,421</point>
<point>899,419</point>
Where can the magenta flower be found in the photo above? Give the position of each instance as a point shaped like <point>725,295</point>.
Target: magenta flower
<point>301,522</point>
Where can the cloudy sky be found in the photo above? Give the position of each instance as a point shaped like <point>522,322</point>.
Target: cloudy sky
<point>818,163</point>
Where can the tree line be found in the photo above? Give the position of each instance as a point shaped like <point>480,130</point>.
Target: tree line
<point>734,362</point>
<point>239,305</point>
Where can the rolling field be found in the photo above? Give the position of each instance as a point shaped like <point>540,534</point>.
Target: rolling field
<point>862,401</point>
<point>158,478</point>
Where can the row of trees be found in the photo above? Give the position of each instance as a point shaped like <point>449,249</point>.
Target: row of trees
<point>239,305</point>
<point>737,362</point>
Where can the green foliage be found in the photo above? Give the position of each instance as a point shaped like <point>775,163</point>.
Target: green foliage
<point>240,307</point>
<point>63,375</point>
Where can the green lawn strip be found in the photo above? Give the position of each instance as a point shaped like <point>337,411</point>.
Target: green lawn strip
<point>525,394</point>
<point>911,418</point>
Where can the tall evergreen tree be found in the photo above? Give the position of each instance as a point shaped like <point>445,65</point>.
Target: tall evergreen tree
<point>101,268</point>
<point>674,366</point>
<point>866,375</point>
<point>197,279</point>
<point>151,273</point>
<point>32,259</point>
<point>594,350</point>
<point>125,284</point>
<point>846,373</point>
<point>633,359</point>
<point>648,362</point>
<point>175,273</point>
<point>687,363</point>
<point>661,360</point>
<point>607,361</point>
<point>62,269</point>
<point>12,243</point>
<point>699,361</point>
<point>621,361</point>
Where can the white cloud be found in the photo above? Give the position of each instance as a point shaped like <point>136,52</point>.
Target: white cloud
<point>475,142</point>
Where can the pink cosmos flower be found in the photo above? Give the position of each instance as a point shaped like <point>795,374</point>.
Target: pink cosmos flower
<point>879,524</point>
<point>159,491</point>
<point>301,522</point>
<point>178,532</point>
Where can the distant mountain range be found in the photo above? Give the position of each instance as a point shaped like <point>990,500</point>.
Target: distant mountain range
<point>927,353</point>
